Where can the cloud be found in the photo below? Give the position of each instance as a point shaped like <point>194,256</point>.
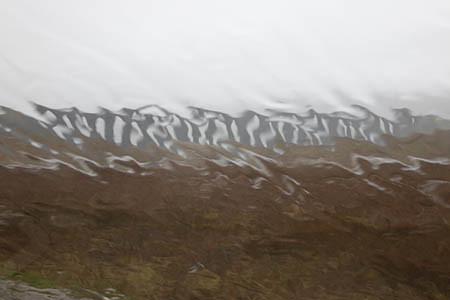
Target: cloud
<point>226,55</point>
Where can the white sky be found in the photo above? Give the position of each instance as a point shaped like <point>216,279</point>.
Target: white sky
<point>227,55</point>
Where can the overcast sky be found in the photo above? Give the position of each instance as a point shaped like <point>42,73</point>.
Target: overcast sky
<point>226,55</point>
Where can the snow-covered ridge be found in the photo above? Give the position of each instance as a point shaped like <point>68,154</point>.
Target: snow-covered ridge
<point>157,138</point>
<point>144,128</point>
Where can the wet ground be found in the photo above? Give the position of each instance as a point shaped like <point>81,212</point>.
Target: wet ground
<point>12,290</point>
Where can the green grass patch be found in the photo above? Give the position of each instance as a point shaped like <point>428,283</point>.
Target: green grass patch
<point>39,281</point>
<point>33,279</point>
<point>6,274</point>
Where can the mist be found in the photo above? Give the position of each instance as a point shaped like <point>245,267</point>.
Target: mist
<point>226,55</point>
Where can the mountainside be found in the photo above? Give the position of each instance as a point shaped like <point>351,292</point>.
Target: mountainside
<point>132,205</point>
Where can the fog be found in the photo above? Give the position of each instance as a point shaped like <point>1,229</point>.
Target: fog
<point>226,55</point>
